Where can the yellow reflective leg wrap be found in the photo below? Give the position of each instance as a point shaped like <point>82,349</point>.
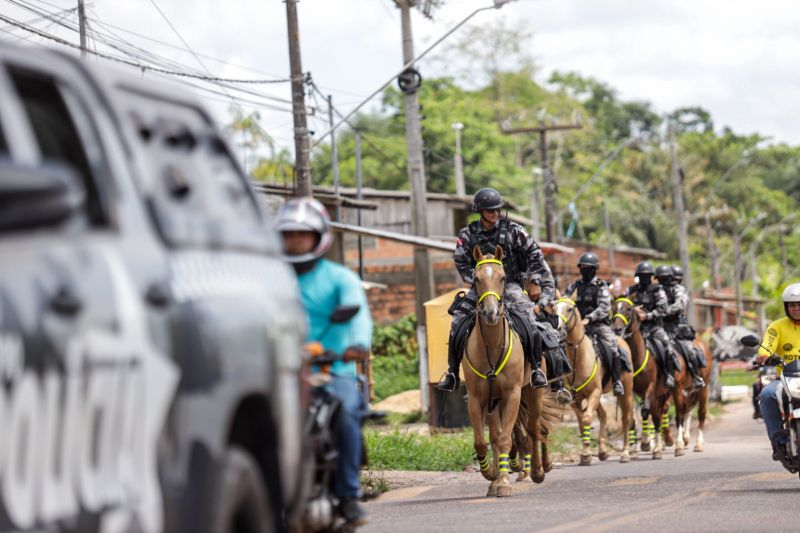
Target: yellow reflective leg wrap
<point>664,424</point>
<point>502,463</point>
<point>484,462</point>
<point>527,462</point>
<point>515,462</point>
<point>586,436</point>
<point>632,436</point>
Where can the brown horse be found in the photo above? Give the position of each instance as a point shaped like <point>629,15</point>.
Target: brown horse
<point>493,367</point>
<point>586,382</point>
<point>648,376</point>
<point>686,397</point>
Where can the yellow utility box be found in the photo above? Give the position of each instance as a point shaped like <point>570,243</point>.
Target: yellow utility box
<point>438,331</point>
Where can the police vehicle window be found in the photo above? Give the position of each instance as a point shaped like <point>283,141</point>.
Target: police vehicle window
<point>56,132</point>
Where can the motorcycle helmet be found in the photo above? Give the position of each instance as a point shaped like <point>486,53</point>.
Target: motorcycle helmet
<point>306,214</point>
<point>791,294</point>
<point>677,273</point>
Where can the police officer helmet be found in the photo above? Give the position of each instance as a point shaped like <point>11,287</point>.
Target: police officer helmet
<point>791,294</point>
<point>486,198</point>
<point>677,273</point>
<point>589,259</point>
<point>644,269</point>
<point>664,274</point>
<point>306,214</point>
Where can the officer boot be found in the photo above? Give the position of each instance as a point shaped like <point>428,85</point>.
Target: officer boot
<point>559,363</point>
<point>669,368</point>
<point>538,379</point>
<point>449,381</point>
<point>697,381</point>
<point>616,371</point>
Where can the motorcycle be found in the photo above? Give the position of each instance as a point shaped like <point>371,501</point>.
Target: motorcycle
<point>322,511</point>
<point>788,403</point>
<point>766,375</point>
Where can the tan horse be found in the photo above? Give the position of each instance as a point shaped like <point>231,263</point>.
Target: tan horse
<point>648,376</point>
<point>538,413</point>
<point>493,368</point>
<point>586,382</point>
<point>686,397</point>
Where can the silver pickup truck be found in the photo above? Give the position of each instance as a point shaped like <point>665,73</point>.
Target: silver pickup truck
<point>150,334</point>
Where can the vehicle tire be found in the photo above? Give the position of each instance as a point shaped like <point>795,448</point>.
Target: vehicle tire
<point>242,503</point>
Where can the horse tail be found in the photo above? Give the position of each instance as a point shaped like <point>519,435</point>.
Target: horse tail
<point>552,413</point>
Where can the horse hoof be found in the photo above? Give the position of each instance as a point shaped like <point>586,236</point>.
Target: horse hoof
<point>698,448</point>
<point>537,477</point>
<point>603,456</point>
<point>522,476</point>
<point>668,442</point>
<point>680,451</point>
<point>586,460</point>
<point>657,454</point>
<point>548,467</point>
<point>492,492</point>
<point>645,446</point>
<point>625,459</point>
<point>634,453</point>
<point>504,491</point>
<point>686,442</point>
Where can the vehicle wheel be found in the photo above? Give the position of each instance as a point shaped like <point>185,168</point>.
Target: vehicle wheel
<point>242,501</point>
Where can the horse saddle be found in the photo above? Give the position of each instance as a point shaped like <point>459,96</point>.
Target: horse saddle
<point>690,353</point>
<point>657,350</point>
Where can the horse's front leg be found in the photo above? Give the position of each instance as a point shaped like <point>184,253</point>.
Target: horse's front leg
<point>626,406</point>
<point>656,414</point>
<point>702,407</point>
<point>476,416</point>
<point>602,453</point>
<point>501,441</point>
<point>533,425</point>
<point>585,419</point>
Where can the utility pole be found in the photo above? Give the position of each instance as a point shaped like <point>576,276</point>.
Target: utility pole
<point>82,27</point>
<point>335,171</point>
<point>423,273</point>
<point>712,252</point>
<point>302,161</point>
<point>607,220</point>
<point>359,186</point>
<point>536,225</point>
<point>549,178</point>
<point>683,232</point>
<point>784,262</point>
<point>461,188</point>
<point>737,261</point>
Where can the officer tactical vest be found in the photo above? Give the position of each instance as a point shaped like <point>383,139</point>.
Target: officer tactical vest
<point>499,235</point>
<point>646,297</point>
<point>588,294</point>
<point>669,290</point>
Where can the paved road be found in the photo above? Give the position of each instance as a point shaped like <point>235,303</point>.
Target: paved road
<point>721,489</point>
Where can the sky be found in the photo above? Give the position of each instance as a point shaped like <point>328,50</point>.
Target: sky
<point>737,59</point>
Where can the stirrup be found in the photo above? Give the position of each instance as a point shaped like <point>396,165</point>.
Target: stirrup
<point>619,390</point>
<point>563,396</point>
<point>698,382</point>
<point>669,381</point>
<point>538,379</point>
<point>448,383</point>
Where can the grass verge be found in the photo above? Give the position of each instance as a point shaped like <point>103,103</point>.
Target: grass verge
<point>737,376</point>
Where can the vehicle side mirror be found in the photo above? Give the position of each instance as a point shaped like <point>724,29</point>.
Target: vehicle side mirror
<point>344,313</point>
<point>751,341</point>
<point>32,197</point>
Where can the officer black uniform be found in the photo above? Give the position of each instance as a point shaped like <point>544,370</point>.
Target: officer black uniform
<point>522,259</point>
<point>675,321</point>
<point>594,305</point>
<point>652,299</point>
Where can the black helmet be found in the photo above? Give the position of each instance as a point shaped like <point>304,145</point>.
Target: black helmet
<point>486,199</point>
<point>589,259</point>
<point>677,273</point>
<point>664,274</point>
<point>644,268</point>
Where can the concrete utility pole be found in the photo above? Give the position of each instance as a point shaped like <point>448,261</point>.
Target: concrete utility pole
<point>461,188</point>
<point>82,27</point>
<point>302,160</point>
<point>611,263</point>
<point>549,178</point>
<point>683,232</point>
<point>712,252</point>
<point>359,196</point>
<point>536,225</point>
<point>423,272</point>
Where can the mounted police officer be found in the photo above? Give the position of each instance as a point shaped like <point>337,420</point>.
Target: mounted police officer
<point>675,322</point>
<point>594,305</point>
<point>522,259</point>
<point>651,305</point>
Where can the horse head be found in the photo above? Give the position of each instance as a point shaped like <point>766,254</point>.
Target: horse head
<point>490,282</point>
<point>568,315</point>
<point>623,315</point>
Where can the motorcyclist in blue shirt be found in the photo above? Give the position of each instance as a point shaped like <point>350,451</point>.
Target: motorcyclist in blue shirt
<point>325,285</point>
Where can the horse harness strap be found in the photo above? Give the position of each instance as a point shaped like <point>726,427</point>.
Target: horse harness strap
<point>588,380</point>
<point>622,317</point>
<point>495,371</point>
<point>644,364</point>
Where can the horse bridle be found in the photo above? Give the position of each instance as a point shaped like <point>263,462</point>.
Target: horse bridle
<point>566,320</point>
<point>507,338</point>
<point>627,333</point>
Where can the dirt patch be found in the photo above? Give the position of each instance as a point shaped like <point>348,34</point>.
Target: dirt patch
<point>404,402</point>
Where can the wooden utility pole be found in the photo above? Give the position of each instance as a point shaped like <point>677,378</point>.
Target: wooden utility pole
<point>612,265</point>
<point>458,162</point>
<point>683,231</point>
<point>547,175</point>
<point>712,252</point>
<point>302,160</point>
<point>82,27</point>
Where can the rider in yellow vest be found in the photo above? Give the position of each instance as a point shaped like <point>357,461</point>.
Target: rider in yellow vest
<point>782,339</point>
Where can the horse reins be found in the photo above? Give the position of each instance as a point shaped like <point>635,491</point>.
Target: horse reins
<point>628,332</point>
<point>575,346</point>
